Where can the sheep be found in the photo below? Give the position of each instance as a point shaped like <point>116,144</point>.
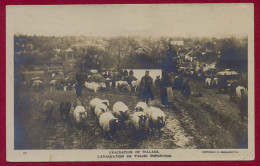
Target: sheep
<point>53,85</point>
<point>140,106</point>
<point>93,86</point>
<point>53,82</point>
<point>65,108</point>
<point>106,102</point>
<point>139,121</point>
<point>80,115</point>
<point>100,109</point>
<point>208,82</point>
<point>238,92</point>
<point>108,123</point>
<point>53,75</point>
<point>96,101</point>
<point>215,82</point>
<point>93,71</point>
<point>48,108</point>
<point>147,110</point>
<point>120,111</point>
<point>122,86</point>
<point>37,85</point>
<point>93,103</point>
<point>156,118</point>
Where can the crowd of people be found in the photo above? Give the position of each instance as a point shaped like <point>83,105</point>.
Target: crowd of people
<point>147,87</point>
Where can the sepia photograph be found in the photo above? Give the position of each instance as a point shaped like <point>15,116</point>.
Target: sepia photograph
<point>157,82</point>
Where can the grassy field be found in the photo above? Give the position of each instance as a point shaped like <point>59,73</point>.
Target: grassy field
<point>210,121</point>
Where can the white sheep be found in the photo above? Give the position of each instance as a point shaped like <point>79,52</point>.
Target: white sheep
<point>140,106</point>
<point>148,110</point>
<point>100,109</point>
<point>53,75</point>
<point>93,86</point>
<point>37,85</point>
<point>93,71</point>
<point>208,82</point>
<point>96,101</point>
<point>120,111</point>
<point>122,86</point>
<point>80,115</point>
<point>105,101</point>
<point>108,123</point>
<point>238,91</point>
<point>215,82</point>
<point>53,82</point>
<point>140,123</point>
<point>48,108</point>
<point>156,118</point>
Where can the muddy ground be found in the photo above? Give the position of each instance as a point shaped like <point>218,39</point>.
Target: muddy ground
<point>209,120</point>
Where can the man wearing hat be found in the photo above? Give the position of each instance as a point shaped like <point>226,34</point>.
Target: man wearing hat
<point>146,86</point>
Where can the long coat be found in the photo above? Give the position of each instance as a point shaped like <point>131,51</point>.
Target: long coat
<point>169,63</point>
<point>146,88</point>
<point>186,89</point>
<point>79,84</point>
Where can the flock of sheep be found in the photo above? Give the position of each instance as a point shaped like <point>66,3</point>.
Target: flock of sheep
<point>143,119</point>
<point>235,91</point>
<point>119,86</point>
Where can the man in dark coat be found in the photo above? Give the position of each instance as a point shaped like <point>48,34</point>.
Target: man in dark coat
<point>79,84</point>
<point>169,66</point>
<point>170,61</point>
<point>146,87</point>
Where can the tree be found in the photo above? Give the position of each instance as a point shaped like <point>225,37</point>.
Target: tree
<point>95,58</point>
<point>233,55</point>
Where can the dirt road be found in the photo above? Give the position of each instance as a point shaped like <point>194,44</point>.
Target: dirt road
<point>190,124</point>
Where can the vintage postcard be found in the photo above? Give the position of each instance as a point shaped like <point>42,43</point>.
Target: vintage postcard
<point>150,82</point>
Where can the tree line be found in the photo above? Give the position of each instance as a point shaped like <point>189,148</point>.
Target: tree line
<point>122,51</point>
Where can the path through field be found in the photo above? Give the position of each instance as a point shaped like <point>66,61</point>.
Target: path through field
<point>191,124</point>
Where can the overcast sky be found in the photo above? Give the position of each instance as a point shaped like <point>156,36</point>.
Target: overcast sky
<point>209,20</point>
